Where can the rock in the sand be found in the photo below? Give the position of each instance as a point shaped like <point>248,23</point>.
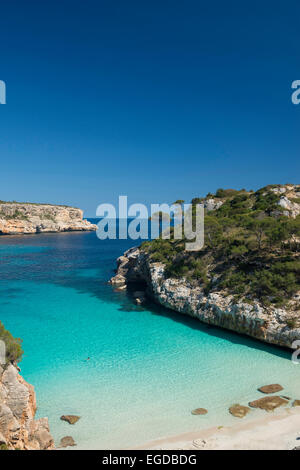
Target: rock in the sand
<point>273,388</point>
<point>296,403</point>
<point>71,419</point>
<point>67,441</point>
<point>199,443</point>
<point>199,411</point>
<point>204,444</point>
<point>268,403</point>
<point>239,411</point>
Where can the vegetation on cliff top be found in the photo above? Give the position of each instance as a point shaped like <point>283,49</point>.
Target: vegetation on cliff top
<point>251,250</point>
<point>38,204</point>
<point>13,346</point>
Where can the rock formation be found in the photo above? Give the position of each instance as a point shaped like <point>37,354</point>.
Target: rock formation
<point>273,388</point>
<point>36,218</point>
<point>200,293</point>
<point>239,411</point>
<point>71,419</point>
<point>268,403</point>
<point>199,411</point>
<point>269,324</point>
<point>67,441</point>
<point>18,428</point>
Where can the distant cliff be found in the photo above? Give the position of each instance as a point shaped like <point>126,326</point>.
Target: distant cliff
<point>18,218</point>
<point>18,428</point>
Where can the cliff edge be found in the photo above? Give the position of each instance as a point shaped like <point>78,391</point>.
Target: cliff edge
<point>247,276</point>
<point>18,428</point>
<point>16,218</point>
<point>269,324</point>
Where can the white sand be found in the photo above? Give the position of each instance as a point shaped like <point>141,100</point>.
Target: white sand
<point>273,431</point>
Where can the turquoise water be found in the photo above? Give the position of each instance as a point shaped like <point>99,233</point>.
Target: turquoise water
<point>149,367</point>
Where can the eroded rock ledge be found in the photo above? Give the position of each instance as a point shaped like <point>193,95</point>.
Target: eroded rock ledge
<point>268,324</point>
<point>18,218</point>
<point>18,428</point>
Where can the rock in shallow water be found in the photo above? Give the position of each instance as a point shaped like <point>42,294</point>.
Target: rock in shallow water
<point>268,403</point>
<point>239,411</point>
<point>71,419</point>
<point>67,441</point>
<point>199,411</point>
<point>273,388</point>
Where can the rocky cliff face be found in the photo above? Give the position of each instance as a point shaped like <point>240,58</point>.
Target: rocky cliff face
<point>18,428</point>
<point>269,324</point>
<point>35,218</point>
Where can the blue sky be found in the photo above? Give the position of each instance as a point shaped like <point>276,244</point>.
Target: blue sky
<point>157,100</point>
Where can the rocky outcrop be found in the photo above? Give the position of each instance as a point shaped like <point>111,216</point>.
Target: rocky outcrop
<point>71,419</point>
<point>18,428</point>
<point>36,218</point>
<point>268,403</point>
<point>289,202</point>
<point>239,411</point>
<point>129,268</point>
<point>273,388</point>
<point>199,411</point>
<point>67,441</point>
<point>291,209</point>
<point>268,324</point>
<point>212,204</point>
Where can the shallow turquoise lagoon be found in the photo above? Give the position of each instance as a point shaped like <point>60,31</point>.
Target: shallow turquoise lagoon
<point>148,367</point>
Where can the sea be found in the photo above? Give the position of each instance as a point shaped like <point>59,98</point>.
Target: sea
<point>148,367</point>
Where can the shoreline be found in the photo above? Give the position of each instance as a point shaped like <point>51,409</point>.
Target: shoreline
<point>275,431</point>
<point>216,308</point>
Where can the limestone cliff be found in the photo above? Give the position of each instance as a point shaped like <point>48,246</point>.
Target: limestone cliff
<point>36,218</point>
<point>247,276</point>
<point>18,428</point>
<point>268,324</point>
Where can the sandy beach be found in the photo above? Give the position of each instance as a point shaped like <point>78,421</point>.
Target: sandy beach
<point>273,431</point>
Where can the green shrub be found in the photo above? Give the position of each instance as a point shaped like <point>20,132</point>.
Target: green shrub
<point>292,323</point>
<point>247,251</point>
<point>266,200</point>
<point>13,346</point>
<point>223,193</point>
<point>16,215</point>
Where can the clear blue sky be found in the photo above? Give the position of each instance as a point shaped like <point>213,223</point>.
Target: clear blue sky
<point>157,100</point>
